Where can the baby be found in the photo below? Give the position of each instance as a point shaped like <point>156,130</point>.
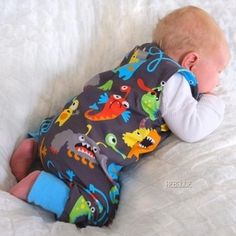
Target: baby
<point>160,87</point>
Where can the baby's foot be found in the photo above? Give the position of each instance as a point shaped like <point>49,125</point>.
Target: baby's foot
<point>23,158</point>
<point>22,189</point>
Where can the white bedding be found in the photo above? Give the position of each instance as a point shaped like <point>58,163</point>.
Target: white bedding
<point>48,50</point>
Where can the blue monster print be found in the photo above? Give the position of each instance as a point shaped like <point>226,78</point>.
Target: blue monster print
<point>160,56</point>
<point>126,71</point>
<point>114,170</point>
<point>189,76</point>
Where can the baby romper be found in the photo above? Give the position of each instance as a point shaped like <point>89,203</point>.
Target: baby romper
<point>108,126</point>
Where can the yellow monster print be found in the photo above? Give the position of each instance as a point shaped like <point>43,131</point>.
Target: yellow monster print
<point>134,57</point>
<point>141,141</point>
<point>67,113</point>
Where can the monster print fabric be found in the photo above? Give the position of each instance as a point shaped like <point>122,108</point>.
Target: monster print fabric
<point>109,125</point>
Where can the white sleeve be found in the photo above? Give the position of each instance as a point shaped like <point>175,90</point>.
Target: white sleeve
<point>187,118</point>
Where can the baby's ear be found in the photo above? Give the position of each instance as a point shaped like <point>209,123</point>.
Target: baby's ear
<point>190,60</point>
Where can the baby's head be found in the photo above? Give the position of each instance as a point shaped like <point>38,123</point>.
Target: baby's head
<point>192,37</point>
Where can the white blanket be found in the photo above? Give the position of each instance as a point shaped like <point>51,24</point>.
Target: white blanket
<point>48,50</point>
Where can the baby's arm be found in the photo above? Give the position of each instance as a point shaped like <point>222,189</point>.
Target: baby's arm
<point>187,118</point>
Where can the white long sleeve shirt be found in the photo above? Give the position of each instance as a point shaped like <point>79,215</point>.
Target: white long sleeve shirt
<point>187,118</point>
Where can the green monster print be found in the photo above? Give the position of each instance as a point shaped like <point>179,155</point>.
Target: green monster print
<point>150,101</point>
<point>111,141</point>
<point>107,86</point>
<point>80,208</point>
<point>114,194</point>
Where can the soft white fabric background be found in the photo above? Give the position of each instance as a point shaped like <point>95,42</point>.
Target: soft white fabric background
<point>48,50</point>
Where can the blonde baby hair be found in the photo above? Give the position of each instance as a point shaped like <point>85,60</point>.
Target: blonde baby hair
<point>187,29</point>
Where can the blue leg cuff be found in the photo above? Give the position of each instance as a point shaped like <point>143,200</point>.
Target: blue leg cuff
<point>50,193</point>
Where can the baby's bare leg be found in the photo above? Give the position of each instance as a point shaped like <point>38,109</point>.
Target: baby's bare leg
<point>23,158</point>
<point>22,189</point>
